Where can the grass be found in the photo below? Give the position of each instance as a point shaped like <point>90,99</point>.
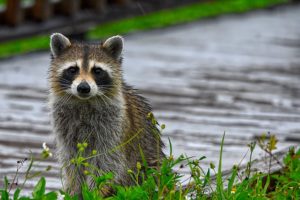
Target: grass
<point>158,19</point>
<point>2,2</point>
<point>164,183</point>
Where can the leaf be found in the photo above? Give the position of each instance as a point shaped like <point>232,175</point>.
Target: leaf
<point>39,189</point>
<point>62,192</point>
<point>295,176</point>
<point>4,195</point>
<point>17,193</point>
<point>266,185</point>
<point>68,197</point>
<point>231,180</point>
<point>170,146</point>
<point>6,183</point>
<point>207,178</point>
<point>86,194</point>
<point>104,178</point>
<point>24,198</point>
<point>220,186</point>
<point>272,143</point>
<point>202,158</point>
<point>50,196</point>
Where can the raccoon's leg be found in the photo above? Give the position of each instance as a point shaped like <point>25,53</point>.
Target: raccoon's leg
<point>74,178</point>
<point>105,190</point>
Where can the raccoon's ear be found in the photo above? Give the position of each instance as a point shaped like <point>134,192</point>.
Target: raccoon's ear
<point>114,46</point>
<point>58,43</point>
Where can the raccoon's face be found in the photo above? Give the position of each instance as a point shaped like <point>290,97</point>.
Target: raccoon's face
<point>85,70</point>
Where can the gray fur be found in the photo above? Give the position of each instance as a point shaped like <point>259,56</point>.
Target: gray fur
<point>99,125</point>
<point>114,46</point>
<point>58,43</point>
<point>114,117</point>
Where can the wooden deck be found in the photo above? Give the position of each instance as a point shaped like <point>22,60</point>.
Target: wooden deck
<point>238,73</point>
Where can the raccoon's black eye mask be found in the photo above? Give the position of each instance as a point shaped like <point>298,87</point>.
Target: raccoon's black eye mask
<point>68,76</point>
<point>73,70</point>
<point>97,70</point>
<point>101,78</point>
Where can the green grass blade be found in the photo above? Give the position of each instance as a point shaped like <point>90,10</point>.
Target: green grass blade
<point>231,181</point>
<point>220,186</point>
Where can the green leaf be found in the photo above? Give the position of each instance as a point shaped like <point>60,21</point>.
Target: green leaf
<point>4,195</point>
<point>24,198</point>
<point>272,143</point>
<point>295,176</point>
<point>5,183</point>
<point>231,180</point>
<point>39,189</point>
<point>68,197</point>
<point>104,178</point>
<point>17,193</point>
<point>62,192</point>
<point>220,186</point>
<point>86,194</point>
<point>202,158</point>
<point>50,196</point>
<point>170,146</point>
<point>266,186</point>
<point>207,178</point>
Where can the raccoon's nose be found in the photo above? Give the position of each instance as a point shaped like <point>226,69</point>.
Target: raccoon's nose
<point>83,88</point>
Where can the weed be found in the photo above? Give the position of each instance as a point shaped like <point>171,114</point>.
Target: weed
<point>163,182</point>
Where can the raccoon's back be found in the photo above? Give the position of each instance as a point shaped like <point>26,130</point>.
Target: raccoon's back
<point>137,106</point>
<point>146,135</point>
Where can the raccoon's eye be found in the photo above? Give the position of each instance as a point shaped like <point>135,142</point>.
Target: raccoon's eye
<point>72,70</point>
<point>97,70</point>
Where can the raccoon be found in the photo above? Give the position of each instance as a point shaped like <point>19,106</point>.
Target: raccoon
<point>90,102</point>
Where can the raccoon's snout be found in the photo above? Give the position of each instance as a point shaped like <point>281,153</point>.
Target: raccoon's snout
<point>83,88</point>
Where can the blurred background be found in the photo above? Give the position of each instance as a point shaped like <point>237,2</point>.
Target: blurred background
<point>206,67</point>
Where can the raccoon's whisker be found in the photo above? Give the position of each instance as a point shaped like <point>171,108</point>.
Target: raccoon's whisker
<point>103,100</point>
<point>98,102</point>
<point>109,99</point>
<point>60,79</point>
<point>101,95</point>
<point>63,99</point>
<point>106,97</point>
<point>64,87</point>
<point>66,98</point>
<point>106,86</point>
<point>59,91</point>
<point>62,82</point>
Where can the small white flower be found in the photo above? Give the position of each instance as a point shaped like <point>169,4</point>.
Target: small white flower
<point>60,196</point>
<point>45,147</point>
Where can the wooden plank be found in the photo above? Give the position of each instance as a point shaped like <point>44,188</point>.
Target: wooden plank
<point>83,21</point>
<point>13,12</point>
<point>41,10</point>
<point>120,2</point>
<point>68,7</point>
<point>96,5</point>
